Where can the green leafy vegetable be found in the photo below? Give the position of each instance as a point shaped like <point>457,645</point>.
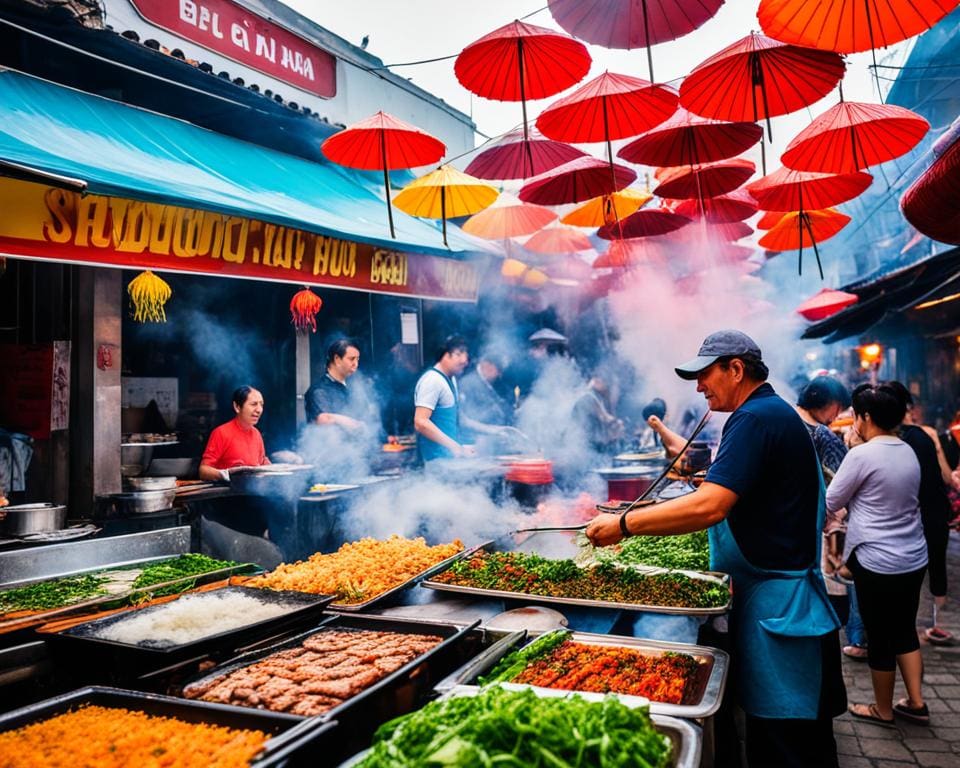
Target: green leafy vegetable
<point>190,564</point>
<point>515,662</point>
<point>52,594</point>
<point>687,552</point>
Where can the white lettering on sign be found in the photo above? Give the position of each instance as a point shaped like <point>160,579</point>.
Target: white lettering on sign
<point>239,37</point>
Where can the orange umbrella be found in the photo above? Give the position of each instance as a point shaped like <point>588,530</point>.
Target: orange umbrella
<point>445,193</point>
<point>850,136</point>
<point>769,219</point>
<point>801,229</point>
<point>825,303</point>
<point>607,209</point>
<point>508,217</point>
<point>381,142</point>
<point>558,240</point>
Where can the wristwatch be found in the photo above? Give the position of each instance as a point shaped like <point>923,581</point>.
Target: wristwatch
<point>623,525</point>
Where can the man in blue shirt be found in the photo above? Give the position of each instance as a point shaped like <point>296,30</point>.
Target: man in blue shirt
<point>762,501</point>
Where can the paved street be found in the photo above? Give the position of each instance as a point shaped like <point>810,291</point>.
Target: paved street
<point>863,745</point>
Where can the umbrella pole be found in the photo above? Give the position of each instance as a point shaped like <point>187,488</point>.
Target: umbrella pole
<point>523,90</point>
<point>613,173</point>
<point>386,183</point>
<point>646,37</point>
<point>755,69</point>
<point>443,213</point>
<point>800,229</point>
<point>816,252</point>
<point>873,50</point>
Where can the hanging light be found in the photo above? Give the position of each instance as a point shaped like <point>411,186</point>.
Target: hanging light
<point>304,307</point>
<point>148,293</point>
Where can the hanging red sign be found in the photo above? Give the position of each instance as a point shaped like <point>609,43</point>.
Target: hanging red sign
<point>226,28</point>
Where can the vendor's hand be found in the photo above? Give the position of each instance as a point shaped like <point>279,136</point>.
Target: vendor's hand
<point>654,423</point>
<point>604,530</point>
<point>225,475</point>
<point>468,450</point>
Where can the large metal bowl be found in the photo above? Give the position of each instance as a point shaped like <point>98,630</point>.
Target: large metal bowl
<point>150,483</point>
<point>143,502</point>
<point>22,519</point>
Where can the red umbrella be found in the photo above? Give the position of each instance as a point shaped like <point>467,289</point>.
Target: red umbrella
<point>702,181</point>
<point>521,61</point>
<point>508,217</point>
<point>735,206</point>
<point>826,302</point>
<point>514,157</point>
<point>758,78</point>
<point>712,233</point>
<point>558,240</point>
<point>687,139</point>
<point>644,223</point>
<point>630,252</point>
<point>577,181</point>
<point>769,219</point>
<point>850,136</point>
<point>632,23</point>
<point>382,142</point>
<point>932,203</point>
<point>786,190</point>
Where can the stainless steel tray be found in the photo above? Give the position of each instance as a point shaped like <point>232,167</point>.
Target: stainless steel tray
<point>702,700</point>
<point>687,738</point>
<point>560,544</point>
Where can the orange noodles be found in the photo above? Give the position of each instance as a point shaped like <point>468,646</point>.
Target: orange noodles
<point>115,738</point>
<point>359,570</point>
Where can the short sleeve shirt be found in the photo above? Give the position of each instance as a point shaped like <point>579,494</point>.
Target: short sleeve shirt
<point>830,448</point>
<point>433,391</point>
<point>230,445</point>
<point>326,396</point>
<point>767,458</point>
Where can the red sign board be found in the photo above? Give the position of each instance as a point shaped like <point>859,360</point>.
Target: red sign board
<point>238,34</point>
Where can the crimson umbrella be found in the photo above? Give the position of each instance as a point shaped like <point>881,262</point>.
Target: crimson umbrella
<point>826,302</point>
<point>850,136</point>
<point>932,202</point>
<point>558,240</point>
<point>757,78</point>
<point>702,181</point>
<point>577,181</point>
<point>632,23</point>
<point>688,139</point>
<point>644,223</point>
<point>734,206</point>
<point>382,142</point>
<point>521,61</point>
<point>515,157</point>
<point>787,190</point>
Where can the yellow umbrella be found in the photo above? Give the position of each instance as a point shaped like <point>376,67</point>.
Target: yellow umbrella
<point>445,193</point>
<point>607,209</point>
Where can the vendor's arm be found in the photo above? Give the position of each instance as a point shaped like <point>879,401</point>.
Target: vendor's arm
<point>845,483</point>
<point>341,420</point>
<point>672,442</point>
<point>216,445</point>
<point>946,473</point>
<point>481,427</point>
<point>706,506</point>
<point>424,425</point>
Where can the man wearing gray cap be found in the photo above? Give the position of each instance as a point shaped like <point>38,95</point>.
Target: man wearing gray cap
<point>762,501</point>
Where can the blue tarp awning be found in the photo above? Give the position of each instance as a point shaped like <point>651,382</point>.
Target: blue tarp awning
<point>123,151</point>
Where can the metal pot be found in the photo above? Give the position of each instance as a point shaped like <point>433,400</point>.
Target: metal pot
<point>150,483</point>
<point>142,502</point>
<point>282,480</point>
<point>22,519</point>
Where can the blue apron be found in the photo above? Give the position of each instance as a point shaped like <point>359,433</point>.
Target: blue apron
<point>447,420</point>
<point>777,621</point>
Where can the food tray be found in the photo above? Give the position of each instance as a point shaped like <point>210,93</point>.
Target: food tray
<point>386,687</point>
<point>273,723</point>
<point>80,647</point>
<point>562,545</point>
<point>702,700</point>
<point>686,737</point>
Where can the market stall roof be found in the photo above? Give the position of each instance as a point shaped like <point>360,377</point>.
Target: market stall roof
<point>890,294</point>
<point>122,151</point>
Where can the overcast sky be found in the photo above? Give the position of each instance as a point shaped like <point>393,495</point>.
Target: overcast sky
<point>413,30</point>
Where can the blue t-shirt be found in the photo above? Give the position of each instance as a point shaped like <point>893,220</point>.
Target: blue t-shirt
<point>767,458</point>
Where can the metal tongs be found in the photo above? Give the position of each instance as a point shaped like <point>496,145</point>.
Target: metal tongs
<point>641,500</point>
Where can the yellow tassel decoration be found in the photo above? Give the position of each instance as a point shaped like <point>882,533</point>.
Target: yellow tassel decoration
<point>148,293</point>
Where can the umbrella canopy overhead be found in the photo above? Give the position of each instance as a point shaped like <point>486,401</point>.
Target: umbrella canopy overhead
<point>932,202</point>
<point>769,219</point>
<point>608,209</point>
<point>688,139</point>
<point>576,181</point>
<point>608,108</point>
<point>826,302</point>
<point>787,190</point>
<point>514,157</point>
<point>849,27</point>
<point>734,206</point>
<point>850,136</point>
<point>443,194</point>
<point>801,229</point>
<point>558,240</point>
<point>644,223</point>
<point>702,181</point>
<point>381,142</point>
<point>508,217</point>
<point>631,252</point>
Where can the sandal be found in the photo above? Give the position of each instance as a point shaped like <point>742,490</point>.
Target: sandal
<point>919,715</point>
<point>871,715</point>
<point>857,652</point>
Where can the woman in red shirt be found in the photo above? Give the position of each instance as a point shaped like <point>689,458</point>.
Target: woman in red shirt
<point>238,443</point>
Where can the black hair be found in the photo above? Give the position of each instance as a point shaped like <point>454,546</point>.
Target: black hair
<point>821,391</point>
<point>883,403</point>
<point>339,349</point>
<point>901,392</point>
<point>655,407</point>
<point>240,394</point>
<point>753,367</point>
<point>451,344</point>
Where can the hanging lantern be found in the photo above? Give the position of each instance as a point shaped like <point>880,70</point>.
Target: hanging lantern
<point>304,307</point>
<point>148,293</point>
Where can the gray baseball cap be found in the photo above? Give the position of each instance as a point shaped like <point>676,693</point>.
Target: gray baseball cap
<point>717,345</point>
